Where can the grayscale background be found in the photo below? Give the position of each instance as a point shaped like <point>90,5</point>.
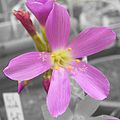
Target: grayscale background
<point>14,40</point>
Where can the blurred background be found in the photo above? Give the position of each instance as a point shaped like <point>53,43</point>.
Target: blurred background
<point>14,40</point>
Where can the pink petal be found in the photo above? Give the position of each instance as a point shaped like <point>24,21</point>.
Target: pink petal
<point>91,41</point>
<point>91,80</point>
<point>59,92</point>
<point>66,116</point>
<point>40,9</point>
<point>88,105</point>
<point>103,117</point>
<point>28,66</point>
<point>58,27</point>
<point>41,1</point>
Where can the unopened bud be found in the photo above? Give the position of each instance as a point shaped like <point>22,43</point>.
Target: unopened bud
<point>24,18</point>
<point>22,85</point>
<point>46,84</point>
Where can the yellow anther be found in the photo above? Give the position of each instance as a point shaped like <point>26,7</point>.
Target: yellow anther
<point>56,67</point>
<point>70,68</point>
<point>77,60</point>
<point>69,49</point>
<point>52,55</point>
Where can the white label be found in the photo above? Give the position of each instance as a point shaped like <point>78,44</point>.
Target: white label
<point>13,106</point>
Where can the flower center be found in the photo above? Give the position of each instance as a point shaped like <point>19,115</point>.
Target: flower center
<point>61,58</point>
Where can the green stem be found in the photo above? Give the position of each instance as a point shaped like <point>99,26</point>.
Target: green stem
<point>45,38</point>
<point>40,44</point>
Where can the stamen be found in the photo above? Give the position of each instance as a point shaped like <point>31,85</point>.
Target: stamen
<point>70,68</point>
<point>61,58</point>
<point>56,67</point>
<point>69,49</point>
<point>52,55</point>
<point>77,60</point>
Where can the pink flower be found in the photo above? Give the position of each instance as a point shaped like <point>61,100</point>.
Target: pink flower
<point>40,8</point>
<point>63,60</point>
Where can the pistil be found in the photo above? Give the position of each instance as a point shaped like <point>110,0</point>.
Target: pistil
<point>61,58</point>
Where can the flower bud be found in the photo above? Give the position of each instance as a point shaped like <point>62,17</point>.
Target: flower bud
<point>46,84</point>
<point>40,8</point>
<point>22,85</point>
<point>24,18</point>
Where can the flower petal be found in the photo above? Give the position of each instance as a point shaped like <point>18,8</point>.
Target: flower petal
<point>41,1</point>
<point>91,41</point>
<point>58,27</point>
<point>91,80</point>
<point>28,66</point>
<point>66,116</point>
<point>59,92</point>
<point>88,105</point>
<point>103,117</point>
<point>40,9</point>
